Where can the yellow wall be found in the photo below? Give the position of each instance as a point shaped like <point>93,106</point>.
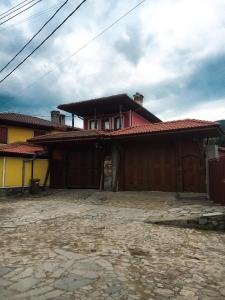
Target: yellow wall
<point>14,170</point>
<point>19,134</point>
<point>1,163</point>
<point>40,170</point>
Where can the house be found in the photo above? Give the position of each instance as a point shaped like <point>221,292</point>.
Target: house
<point>16,127</point>
<point>21,161</point>
<point>125,147</point>
<point>111,113</point>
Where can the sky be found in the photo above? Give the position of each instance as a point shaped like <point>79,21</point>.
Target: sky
<point>171,51</point>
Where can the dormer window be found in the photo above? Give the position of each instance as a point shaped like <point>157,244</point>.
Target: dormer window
<point>117,123</point>
<point>93,124</point>
<point>105,124</point>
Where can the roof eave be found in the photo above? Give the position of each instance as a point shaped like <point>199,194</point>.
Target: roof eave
<point>67,139</point>
<point>214,128</point>
<point>134,105</point>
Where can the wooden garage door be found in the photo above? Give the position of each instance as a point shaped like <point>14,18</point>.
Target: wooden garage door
<point>149,167</point>
<point>83,168</point>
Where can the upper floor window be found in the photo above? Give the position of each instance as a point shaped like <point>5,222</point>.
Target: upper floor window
<point>39,132</point>
<point>93,124</point>
<point>117,123</point>
<point>3,135</point>
<point>105,124</point>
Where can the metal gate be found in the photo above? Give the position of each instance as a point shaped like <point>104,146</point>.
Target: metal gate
<point>217,180</point>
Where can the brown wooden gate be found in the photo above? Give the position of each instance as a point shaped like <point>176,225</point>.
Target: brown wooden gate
<point>57,169</point>
<point>170,166</point>
<point>83,168</point>
<point>217,180</point>
<point>149,167</point>
<point>192,174</point>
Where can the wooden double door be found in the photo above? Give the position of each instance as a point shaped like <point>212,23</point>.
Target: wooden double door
<point>83,168</point>
<point>149,167</point>
<point>76,168</point>
<point>162,167</point>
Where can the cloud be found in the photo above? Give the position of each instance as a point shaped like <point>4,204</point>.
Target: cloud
<point>208,80</point>
<point>131,45</point>
<point>175,60</point>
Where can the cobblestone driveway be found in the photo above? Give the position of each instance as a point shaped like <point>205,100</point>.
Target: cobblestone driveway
<point>90,245</point>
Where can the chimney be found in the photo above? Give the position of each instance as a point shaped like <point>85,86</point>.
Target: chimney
<point>62,119</point>
<point>138,98</point>
<point>55,116</point>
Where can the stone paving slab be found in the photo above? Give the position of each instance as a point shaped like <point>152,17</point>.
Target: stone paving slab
<point>203,221</point>
<point>91,245</point>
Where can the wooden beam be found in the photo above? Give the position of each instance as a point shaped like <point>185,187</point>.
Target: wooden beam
<point>72,120</point>
<point>47,175</point>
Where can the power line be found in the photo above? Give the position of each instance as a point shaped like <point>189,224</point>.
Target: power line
<point>14,7</point>
<point>14,10</point>
<point>20,12</point>
<point>35,49</point>
<point>31,39</point>
<point>87,44</point>
<point>31,17</point>
<point>50,8</point>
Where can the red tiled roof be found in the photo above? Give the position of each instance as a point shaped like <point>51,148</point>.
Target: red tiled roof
<point>149,128</point>
<point>29,121</point>
<point>108,105</point>
<point>91,133</point>
<point>21,148</point>
<point>164,127</point>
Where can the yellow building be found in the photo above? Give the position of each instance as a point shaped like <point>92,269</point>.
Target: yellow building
<point>21,161</point>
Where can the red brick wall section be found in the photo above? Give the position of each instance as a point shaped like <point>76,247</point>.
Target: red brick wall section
<point>138,120</point>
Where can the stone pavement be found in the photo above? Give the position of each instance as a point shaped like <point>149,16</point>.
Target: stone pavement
<point>91,245</point>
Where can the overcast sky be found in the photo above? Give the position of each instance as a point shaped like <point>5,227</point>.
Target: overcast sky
<point>171,51</point>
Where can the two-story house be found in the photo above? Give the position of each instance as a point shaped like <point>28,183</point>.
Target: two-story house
<point>16,127</point>
<point>111,113</point>
<point>123,146</point>
<point>21,161</point>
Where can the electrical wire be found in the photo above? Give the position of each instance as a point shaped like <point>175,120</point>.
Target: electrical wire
<point>50,8</point>
<point>13,7</point>
<point>13,11</point>
<point>31,17</point>
<point>31,39</point>
<point>35,49</point>
<point>20,12</point>
<point>87,44</point>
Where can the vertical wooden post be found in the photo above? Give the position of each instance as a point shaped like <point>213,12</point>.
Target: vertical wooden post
<point>101,187</point>
<point>115,167</point>
<point>32,169</point>
<point>3,172</point>
<point>47,175</point>
<point>179,180</point>
<point>72,120</point>
<point>23,175</point>
<point>120,112</point>
<point>95,119</point>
